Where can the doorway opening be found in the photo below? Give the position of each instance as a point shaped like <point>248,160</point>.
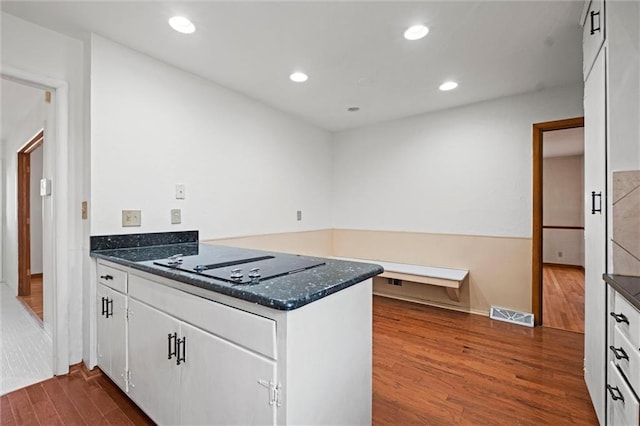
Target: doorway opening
<point>33,337</point>
<point>60,259</point>
<point>557,257</point>
<point>30,278</point>
<point>563,229</point>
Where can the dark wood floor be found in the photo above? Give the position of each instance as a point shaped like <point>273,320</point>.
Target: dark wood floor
<point>34,302</point>
<point>563,297</point>
<point>73,399</point>
<point>433,366</point>
<point>430,366</point>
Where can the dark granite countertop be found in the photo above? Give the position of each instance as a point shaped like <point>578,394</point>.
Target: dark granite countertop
<point>629,287</point>
<point>284,293</point>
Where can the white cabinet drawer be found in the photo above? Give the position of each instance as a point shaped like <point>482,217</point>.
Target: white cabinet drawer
<point>592,35</point>
<point>625,356</point>
<point>627,319</point>
<point>112,277</point>
<point>623,404</point>
<point>242,328</point>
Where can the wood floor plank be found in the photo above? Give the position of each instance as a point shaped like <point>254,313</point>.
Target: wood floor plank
<point>117,417</point>
<point>133,413</point>
<point>63,405</point>
<point>34,302</point>
<point>100,398</point>
<point>563,297</point>
<point>42,405</point>
<point>76,389</point>
<point>6,416</point>
<point>21,408</point>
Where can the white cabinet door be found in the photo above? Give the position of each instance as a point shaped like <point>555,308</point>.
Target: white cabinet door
<point>221,382</point>
<point>624,407</point>
<point>592,35</point>
<point>595,233</point>
<point>104,356</point>
<point>154,378</point>
<point>118,342</point>
<point>112,340</point>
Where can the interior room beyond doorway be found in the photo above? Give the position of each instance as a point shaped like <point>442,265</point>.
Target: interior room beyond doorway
<point>563,229</point>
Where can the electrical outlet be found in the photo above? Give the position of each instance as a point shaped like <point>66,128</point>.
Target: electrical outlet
<point>176,216</point>
<point>299,215</point>
<point>85,210</point>
<point>559,254</point>
<point>131,217</point>
<point>180,191</point>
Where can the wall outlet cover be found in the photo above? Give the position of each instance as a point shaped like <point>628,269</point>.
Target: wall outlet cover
<point>131,217</point>
<point>176,216</point>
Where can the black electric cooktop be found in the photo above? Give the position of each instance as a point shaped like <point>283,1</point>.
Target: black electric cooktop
<point>241,270</point>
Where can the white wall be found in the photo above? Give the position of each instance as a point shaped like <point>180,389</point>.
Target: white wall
<point>623,38</point>
<point>563,205</point>
<point>36,211</point>
<point>466,170</point>
<point>247,167</point>
<point>2,213</point>
<point>33,50</point>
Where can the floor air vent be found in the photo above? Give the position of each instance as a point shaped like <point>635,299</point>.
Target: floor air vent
<point>508,315</point>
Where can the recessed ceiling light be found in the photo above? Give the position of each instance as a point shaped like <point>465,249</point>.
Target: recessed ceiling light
<point>416,32</point>
<point>298,77</point>
<point>182,24</point>
<point>448,85</point>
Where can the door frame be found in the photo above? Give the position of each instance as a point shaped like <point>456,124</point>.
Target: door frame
<point>536,262</point>
<point>57,247</point>
<point>24,213</point>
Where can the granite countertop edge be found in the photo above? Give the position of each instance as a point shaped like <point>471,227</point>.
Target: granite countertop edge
<point>627,286</point>
<point>357,272</point>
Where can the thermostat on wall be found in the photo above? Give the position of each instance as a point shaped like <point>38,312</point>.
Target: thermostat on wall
<point>45,187</point>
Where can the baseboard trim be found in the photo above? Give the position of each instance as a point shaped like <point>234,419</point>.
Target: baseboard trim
<point>564,265</point>
<point>434,304</point>
<point>85,372</point>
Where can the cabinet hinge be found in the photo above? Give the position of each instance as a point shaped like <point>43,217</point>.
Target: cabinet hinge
<point>274,392</point>
<point>126,314</point>
<point>127,379</point>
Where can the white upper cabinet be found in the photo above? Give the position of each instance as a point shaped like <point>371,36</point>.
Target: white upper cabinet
<point>593,26</point>
<point>595,233</point>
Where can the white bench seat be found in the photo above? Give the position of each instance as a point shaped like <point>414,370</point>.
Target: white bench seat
<point>450,279</point>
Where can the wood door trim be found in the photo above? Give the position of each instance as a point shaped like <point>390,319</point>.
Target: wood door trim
<point>536,274</point>
<point>24,208</point>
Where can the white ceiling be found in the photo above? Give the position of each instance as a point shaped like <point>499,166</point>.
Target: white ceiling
<point>563,143</point>
<point>16,102</point>
<point>353,52</point>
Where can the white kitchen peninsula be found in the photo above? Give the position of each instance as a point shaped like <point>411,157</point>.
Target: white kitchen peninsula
<point>294,349</point>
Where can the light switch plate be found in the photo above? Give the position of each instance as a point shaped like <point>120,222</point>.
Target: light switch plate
<point>176,216</point>
<point>131,217</point>
<point>45,187</point>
